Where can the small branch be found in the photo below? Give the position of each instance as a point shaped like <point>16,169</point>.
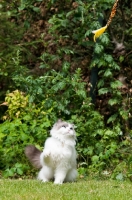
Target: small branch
<point>128,54</point>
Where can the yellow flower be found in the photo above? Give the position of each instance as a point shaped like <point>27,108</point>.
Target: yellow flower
<point>99,32</point>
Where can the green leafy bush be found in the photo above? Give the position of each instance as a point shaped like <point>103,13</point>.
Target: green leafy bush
<point>25,124</point>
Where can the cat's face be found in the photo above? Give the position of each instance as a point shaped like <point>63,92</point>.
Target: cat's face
<point>65,129</point>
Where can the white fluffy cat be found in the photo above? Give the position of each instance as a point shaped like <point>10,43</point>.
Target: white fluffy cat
<point>58,159</point>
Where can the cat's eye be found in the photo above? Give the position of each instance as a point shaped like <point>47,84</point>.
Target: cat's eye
<point>64,126</point>
<point>71,128</point>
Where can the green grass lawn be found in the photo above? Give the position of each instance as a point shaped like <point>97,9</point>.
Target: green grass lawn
<point>81,190</point>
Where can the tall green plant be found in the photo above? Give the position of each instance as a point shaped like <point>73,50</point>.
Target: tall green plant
<point>25,123</point>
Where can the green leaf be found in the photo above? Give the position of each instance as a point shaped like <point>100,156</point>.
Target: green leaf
<point>27,117</point>
<point>108,58</point>
<point>103,91</point>
<point>24,137</point>
<point>112,118</point>
<point>95,158</point>
<point>124,114</point>
<point>36,9</point>
<point>19,171</point>
<point>101,83</point>
<point>121,59</point>
<point>113,101</point>
<point>108,134</point>
<point>108,73</point>
<point>18,165</point>
<point>105,39</point>
<point>9,172</point>
<point>98,48</point>
<point>87,33</point>
<point>1,136</point>
<point>116,84</point>
<point>69,13</point>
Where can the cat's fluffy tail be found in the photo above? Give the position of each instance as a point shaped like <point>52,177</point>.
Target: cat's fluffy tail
<point>33,154</point>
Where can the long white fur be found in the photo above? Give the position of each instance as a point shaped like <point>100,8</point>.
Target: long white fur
<point>59,155</point>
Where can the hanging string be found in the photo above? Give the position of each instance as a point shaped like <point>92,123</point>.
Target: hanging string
<point>100,31</point>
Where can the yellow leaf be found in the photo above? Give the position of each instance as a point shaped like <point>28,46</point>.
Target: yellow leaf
<point>99,32</point>
<point>4,117</point>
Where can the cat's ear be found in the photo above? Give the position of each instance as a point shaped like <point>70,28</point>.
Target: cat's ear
<point>59,120</point>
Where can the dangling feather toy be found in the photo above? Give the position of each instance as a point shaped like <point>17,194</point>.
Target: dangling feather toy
<point>100,31</point>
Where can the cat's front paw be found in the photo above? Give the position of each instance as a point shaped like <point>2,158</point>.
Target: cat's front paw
<point>44,180</point>
<point>58,182</point>
<point>46,154</point>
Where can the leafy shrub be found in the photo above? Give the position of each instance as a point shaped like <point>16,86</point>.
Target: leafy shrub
<point>25,124</point>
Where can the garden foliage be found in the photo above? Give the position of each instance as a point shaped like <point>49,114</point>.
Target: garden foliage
<point>47,53</point>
